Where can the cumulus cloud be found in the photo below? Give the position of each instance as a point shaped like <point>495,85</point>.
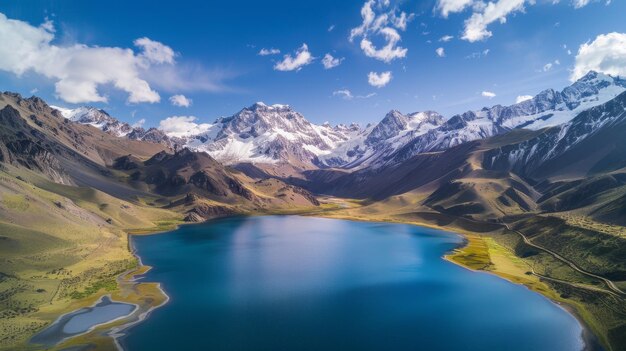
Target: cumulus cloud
<point>445,7</point>
<point>488,94</point>
<point>347,95</point>
<point>154,52</point>
<point>379,20</point>
<point>294,63</point>
<point>446,38</point>
<point>523,98</point>
<point>379,80</point>
<point>331,62</point>
<point>606,54</point>
<point>476,25</point>
<point>267,52</point>
<point>440,52</point>
<point>181,126</point>
<point>79,70</point>
<point>180,100</point>
<point>387,53</point>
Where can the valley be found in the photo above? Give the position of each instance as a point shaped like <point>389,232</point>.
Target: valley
<point>538,189</point>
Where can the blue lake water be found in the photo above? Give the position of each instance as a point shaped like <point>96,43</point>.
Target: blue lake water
<point>300,283</point>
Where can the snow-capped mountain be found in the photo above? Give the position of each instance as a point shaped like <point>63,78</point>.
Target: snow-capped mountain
<point>591,142</point>
<point>549,108</point>
<point>97,118</point>
<point>378,141</point>
<point>278,134</point>
<point>269,134</point>
<point>105,122</point>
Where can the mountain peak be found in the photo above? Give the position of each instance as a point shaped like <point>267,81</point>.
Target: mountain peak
<point>260,105</point>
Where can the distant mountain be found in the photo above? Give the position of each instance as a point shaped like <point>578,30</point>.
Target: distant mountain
<point>277,135</point>
<point>269,134</point>
<point>63,146</point>
<point>102,120</point>
<point>576,166</point>
<point>593,142</point>
<point>378,141</point>
<point>548,108</point>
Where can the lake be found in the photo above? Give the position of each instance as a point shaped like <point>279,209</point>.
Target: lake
<point>303,283</point>
<point>82,320</point>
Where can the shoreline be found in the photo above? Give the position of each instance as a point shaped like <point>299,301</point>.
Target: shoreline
<point>589,340</point>
<point>108,334</point>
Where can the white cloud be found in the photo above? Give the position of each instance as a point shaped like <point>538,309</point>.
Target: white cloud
<point>188,77</point>
<point>154,52</point>
<point>332,26</point>
<point>379,80</point>
<point>139,123</point>
<point>547,67</point>
<point>380,20</point>
<point>523,98</point>
<point>289,63</point>
<point>180,100</point>
<point>180,126</point>
<point>476,25</point>
<point>387,53</point>
<point>267,52</point>
<point>478,54</point>
<point>445,7</point>
<point>441,52</point>
<point>344,93</point>
<point>79,70</point>
<point>488,94</point>
<point>446,38</point>
<point>606,54</point>
<point>331,62</point>
<point>580,3</point>
<point>347,95</point>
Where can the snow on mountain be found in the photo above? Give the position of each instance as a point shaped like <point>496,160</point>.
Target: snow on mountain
<point>269,134</point>
<point>97,118</point>
<point>276,133</point>
<point>105,122</point>
<point>602,123</point>
<point>381,140</point>
<point>549,108</point>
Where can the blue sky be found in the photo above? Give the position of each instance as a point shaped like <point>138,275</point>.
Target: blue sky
<point>216,64</point>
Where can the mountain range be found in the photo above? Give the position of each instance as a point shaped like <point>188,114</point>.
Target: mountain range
<point>264,134</point>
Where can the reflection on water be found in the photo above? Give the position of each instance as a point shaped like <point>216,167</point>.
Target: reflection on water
<point>299,283</point>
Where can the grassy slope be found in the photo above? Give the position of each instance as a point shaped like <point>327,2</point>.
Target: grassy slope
<point>65,246</point>
<point>59,249</point>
